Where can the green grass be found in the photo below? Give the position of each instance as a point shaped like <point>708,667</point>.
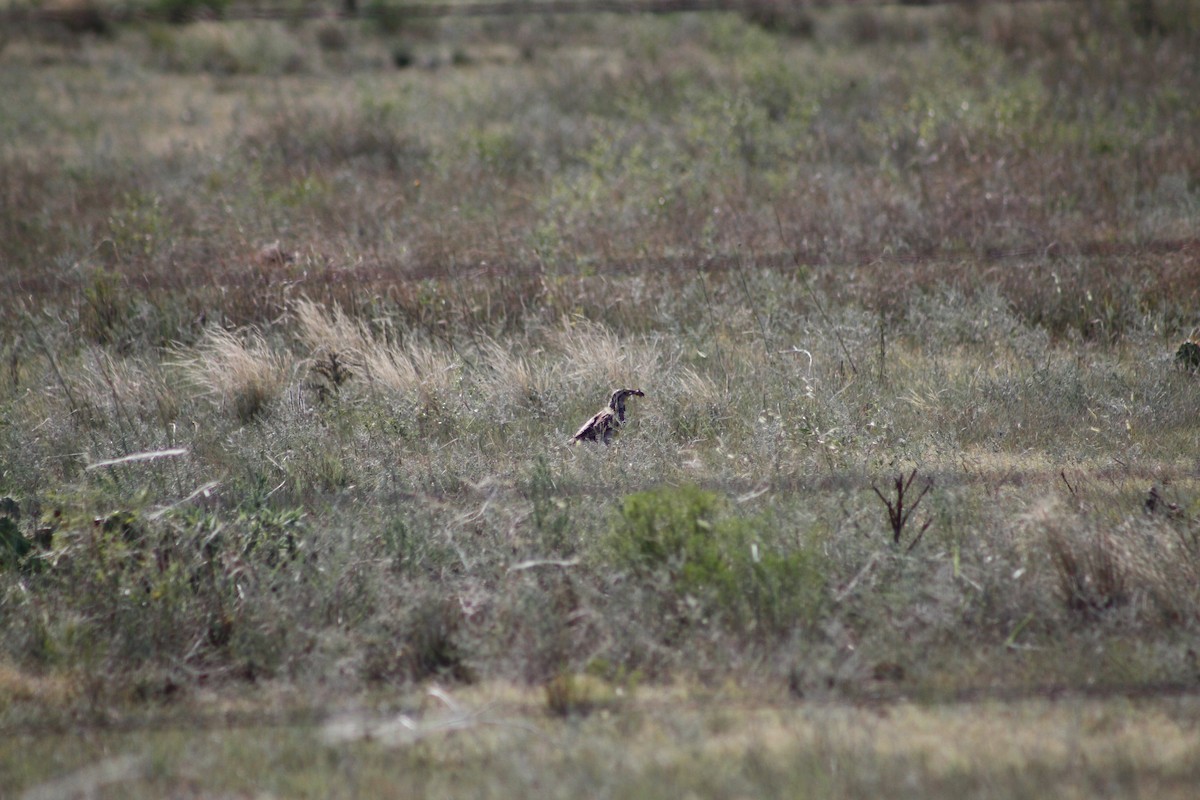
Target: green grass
<point>295,341</point>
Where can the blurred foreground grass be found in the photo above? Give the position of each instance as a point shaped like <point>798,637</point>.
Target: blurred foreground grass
<point>496,743</point>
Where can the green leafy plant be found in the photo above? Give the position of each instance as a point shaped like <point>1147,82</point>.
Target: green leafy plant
<point>14,546</point>
<point>734,566</point>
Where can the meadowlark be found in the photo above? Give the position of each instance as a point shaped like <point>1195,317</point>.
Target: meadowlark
<point>604,424</point>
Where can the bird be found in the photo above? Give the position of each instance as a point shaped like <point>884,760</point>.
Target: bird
<point>606,421</point>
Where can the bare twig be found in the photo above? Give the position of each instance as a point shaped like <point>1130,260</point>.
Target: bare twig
<point>898,515</point>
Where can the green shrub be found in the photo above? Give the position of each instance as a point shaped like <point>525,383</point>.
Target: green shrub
<point>736,567</point>
<point>14,546</point>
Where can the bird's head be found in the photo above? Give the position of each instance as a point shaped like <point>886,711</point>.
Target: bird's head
<point>617,402</point>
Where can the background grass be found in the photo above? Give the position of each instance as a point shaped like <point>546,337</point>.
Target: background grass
<point>301,316</point>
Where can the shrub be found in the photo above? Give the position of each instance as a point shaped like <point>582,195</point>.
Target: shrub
<point>426,642</point>
<point>735,567</point>
<point>14,546</point>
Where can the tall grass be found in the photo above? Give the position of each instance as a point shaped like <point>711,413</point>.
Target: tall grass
<point>241,374</point>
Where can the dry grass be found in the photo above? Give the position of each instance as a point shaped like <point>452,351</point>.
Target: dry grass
<point>1144,566</point>
<point>593,355</point>
<point>421,369</point>
<point>241,373</point>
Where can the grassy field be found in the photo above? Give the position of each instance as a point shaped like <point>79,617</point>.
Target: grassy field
<point>300,317</point>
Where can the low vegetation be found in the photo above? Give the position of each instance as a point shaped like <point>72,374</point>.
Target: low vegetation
<point>297,331</point>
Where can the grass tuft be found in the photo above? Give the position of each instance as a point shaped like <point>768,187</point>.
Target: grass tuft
<point>243,374</point>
